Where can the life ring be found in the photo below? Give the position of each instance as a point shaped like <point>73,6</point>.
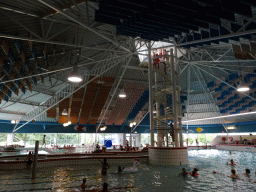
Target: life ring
<point>231,138</point>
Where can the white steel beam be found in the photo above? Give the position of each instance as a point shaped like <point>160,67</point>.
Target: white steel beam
<point>219,37</point>
<point>63,69</point>
<point>49,4</point>
<point>56,43</point>
<point>113,95</point>
<point>224,82</point>
<point>54,104</point>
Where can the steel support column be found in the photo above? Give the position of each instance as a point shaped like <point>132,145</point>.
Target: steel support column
<point>174,100</point>
<point>150,94</point>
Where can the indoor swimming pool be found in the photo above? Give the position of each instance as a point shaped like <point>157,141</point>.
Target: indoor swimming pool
<point>148,177</point>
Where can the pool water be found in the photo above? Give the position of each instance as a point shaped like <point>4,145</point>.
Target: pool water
<point>149,178</point>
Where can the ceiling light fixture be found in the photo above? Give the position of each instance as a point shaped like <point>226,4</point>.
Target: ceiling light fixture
<point>231,127</point>
<point>122,94</point>
<point>64,112</point>
<point>103,128</point>
<point>132,124</point>
<point>242,88</point>
<point>74,76</point>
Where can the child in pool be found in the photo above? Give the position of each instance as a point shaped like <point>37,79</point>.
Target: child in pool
<point>232,162</point>
<point>136,163</point>
<point>120,169</point>
<point>234,175</point>
<point>83,185</point>
<point>194,172</point>
<point>184,172</point>
<point>247,172</point>
<point>105,167</point>
<point>105,187</point>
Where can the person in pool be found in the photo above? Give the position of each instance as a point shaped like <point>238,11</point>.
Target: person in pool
<point>194,172</point>
<point>247,172</point>
<point>232,162</point>
<point>184,172</point>
<point>230,153</point>
<point>29,160</point>
<point>136,163</point>
<point>105,187</point>
<point>120,169</point>
<point>83,185</point>
<point>234,175</point>
<point>105,167</point>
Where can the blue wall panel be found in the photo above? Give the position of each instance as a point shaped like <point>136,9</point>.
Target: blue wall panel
<point>7,127</point>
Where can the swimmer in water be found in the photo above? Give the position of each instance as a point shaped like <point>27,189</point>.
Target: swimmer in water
<point>234,175</point>
<point>194,172</point>
<point>29,160</point>
<point>136,163</point>
<point>105,187</point>
<point>247,172</point>
<point>120,169</point>
<point>184,172</point>
<point>83,185</point>
<point>230,153</point>
<point>105,167</point>
<point>232,162</point>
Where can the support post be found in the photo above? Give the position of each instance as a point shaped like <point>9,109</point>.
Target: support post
<point>150,94</point>
<point>174,100</point>
<point>157,122</point>
<point>139,140</point>
<point>35,160</point>
<point>10,138</point>
<point>25,139</point>
<point>124,139</point>
<point>131,139</point>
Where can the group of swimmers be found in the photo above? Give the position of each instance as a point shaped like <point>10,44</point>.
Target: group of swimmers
<point>83,186</point>
<point>193,173</point>
<point>104,169</point>
<point>233,171</point>
<point>234,175</point>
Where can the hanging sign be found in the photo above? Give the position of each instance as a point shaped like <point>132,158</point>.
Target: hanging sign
<point>198,129</point>
<point>79,128</point>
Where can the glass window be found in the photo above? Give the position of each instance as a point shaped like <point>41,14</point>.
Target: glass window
<point>3,138</point>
